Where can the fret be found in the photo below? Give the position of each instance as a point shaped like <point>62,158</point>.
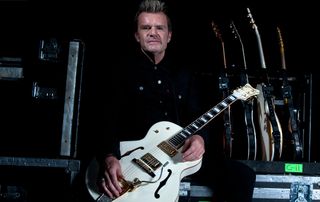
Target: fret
<point>199,122</point>
<point>209,114</point>
<point>224,104</point>
<point>195,125</point>
<point>203,119</point>
<point>216,109</point>
<point>183,134</point>
<point>177,139</point>
<point>232,97</point>
<point>191,129</point>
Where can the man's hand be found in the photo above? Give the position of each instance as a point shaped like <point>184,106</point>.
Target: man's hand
<point>111,177</point>
<point>193,148</point>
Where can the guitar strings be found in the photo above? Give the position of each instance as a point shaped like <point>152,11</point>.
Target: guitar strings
<point>132,171</point>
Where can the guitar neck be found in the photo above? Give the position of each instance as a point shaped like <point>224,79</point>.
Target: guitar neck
<point>199,123</point>
<point>260,49</point>
<point>223,78</point>
<point>243,74</point>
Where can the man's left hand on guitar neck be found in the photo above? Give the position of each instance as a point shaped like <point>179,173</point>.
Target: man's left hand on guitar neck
<point>193,148</point>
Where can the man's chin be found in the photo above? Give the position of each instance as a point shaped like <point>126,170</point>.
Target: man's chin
<point>154,49</point>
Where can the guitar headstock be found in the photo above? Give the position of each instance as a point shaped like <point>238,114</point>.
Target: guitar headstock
<point>281,49</point>
<point>253,24</point>
<point>280,38</point>
<point>245,92</point>
<point>235,32</point>
<point>237,36</point>
<point>218,35</point>
<point>255,28</point>
<point>216,30</point>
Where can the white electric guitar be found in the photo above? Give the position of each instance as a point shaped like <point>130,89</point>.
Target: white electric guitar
<point>153,167</point>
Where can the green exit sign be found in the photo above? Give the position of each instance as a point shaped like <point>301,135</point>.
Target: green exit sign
<point>293,167</point>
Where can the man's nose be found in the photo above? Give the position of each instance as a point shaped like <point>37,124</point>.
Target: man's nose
<point>153,31</point>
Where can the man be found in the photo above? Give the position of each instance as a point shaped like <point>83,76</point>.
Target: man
<point>154,90</point>
<point>151,87</point>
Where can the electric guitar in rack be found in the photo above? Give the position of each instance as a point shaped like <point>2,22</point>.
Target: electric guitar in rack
<point>248,105</point>
<point>269,124</point>
<point>153,166</point>
<point>224,89</point>
<point>288,101</point>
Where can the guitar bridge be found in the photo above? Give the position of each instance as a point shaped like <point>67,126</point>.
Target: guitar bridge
<point>142,165</point>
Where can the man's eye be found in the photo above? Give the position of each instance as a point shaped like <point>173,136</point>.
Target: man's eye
<point>145,27</point>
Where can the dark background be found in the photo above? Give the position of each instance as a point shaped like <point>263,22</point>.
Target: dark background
<point>106,28</point>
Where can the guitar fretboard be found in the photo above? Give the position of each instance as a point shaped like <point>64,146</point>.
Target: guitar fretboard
<point>178,139</point>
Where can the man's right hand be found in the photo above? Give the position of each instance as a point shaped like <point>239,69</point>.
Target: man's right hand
<point>111,176</point>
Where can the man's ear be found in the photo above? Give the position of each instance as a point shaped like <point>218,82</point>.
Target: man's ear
<point>137,37</point>
<point>169,36</point>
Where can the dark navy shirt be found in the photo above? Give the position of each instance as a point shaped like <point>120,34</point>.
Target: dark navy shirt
<point>144,93</point>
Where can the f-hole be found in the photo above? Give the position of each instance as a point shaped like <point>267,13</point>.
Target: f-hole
<point>162,183</point>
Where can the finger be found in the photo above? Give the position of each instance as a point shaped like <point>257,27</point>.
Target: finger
<point>106,189</point>
<point>186,146</point>
<point>188,150</point>
<point>115,182</point>
<point>188,157</point>
<point>110,185</point>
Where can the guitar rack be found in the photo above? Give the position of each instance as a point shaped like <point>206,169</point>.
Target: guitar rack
<point>289,179</point>
<point>301,86</point>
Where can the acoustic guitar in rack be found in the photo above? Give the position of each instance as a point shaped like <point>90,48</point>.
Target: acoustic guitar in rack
<point>269,124</point>
<point>294,128</point>
<point>153,167</point>
<point>224,89</point>
<point>248,105</point>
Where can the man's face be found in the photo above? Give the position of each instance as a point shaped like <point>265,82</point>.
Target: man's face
<point>152,32</point>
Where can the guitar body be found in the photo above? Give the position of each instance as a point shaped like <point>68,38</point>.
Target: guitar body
<point>265,129</point>
<point>268,143</point>
<point>166,187</point>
